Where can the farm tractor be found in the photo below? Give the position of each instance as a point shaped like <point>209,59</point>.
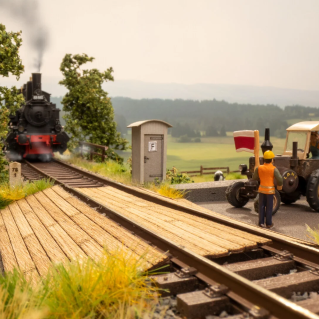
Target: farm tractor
<point>300,173</point>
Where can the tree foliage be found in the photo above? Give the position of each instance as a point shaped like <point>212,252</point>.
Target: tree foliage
<point>10,98</point>
<point>89,111</point>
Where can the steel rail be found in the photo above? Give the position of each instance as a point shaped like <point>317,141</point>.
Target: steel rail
<point>308,252</point>
<point>239,286</point>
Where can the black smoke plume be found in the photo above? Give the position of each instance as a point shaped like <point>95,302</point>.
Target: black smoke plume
<point>34,29</point>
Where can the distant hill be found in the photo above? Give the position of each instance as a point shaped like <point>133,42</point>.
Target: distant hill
<point>231,93</point>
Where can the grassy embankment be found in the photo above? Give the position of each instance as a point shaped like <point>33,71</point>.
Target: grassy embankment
<point>121,174</point>
<point>9,194</point>
<point>113,287</point>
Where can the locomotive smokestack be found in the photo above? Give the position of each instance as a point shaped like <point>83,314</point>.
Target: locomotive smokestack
<point>266,145</point>
<point>29,91</point>
<point>36,82</point>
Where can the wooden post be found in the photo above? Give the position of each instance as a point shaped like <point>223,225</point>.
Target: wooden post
<point>227,170</point>
<point>256,150</point>
<point>91,155</point>
<point>14,173</point>
<point>201,170</point>
<point>81,149</point>
<point>103,154</point>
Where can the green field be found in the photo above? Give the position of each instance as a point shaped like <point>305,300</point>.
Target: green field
<point>211,152</point>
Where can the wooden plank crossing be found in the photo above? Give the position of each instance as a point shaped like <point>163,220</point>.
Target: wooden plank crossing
<point>204,237</point>
<point>53,226</point>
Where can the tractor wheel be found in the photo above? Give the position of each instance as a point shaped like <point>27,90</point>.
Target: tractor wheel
<point>276,203</point>
<point>233,195</point>
<point>312,193</point>
<point>289,198</point>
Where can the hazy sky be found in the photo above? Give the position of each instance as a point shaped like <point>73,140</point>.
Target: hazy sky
<point>245,42</point>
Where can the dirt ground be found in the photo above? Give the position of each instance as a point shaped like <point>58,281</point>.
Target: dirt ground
<point>290,219</point>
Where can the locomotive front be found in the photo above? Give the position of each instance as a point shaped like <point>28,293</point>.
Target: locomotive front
<point>35,131</point>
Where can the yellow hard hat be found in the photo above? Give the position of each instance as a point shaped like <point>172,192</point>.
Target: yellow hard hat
<point>269,155</point>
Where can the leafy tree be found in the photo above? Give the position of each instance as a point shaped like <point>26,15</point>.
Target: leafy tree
<point>10,98</point>
<point>121,123</point>
<point>211,131</point>
<point>222,131</point>
<point>89,112</point>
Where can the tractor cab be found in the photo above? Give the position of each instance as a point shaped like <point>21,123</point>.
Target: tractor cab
<point>301,133</point>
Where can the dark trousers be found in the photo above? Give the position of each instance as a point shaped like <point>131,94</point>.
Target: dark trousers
<point>266,202</point>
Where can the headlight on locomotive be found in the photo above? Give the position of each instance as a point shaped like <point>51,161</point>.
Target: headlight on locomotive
<point>58,128</point>
<point>21,128</point>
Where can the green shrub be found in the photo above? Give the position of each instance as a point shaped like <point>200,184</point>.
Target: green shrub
<point>177,178</point>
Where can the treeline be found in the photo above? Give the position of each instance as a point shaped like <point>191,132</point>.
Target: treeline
<point>211,118</point>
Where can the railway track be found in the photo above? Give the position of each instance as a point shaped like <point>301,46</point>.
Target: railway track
<point>257,283</point>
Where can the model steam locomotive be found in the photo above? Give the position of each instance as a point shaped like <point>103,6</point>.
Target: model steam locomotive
<point>35,131</point>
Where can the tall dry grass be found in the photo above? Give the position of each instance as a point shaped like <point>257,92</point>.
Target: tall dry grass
<point>9,194</point>
<point>110,169</point>
<point>313,234</point>
<point>113,287</point>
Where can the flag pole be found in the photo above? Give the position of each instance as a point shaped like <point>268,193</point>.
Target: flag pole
<point>256,149</point>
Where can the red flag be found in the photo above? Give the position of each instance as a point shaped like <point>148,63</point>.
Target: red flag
<point>244,141</point>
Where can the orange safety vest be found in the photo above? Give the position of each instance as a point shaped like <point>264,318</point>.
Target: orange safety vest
<point>266,176</point>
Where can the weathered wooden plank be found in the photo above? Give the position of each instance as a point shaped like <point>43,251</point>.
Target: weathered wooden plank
<point>48,243</point>
<point>23,257</point>
<point>223,228</point>
<point>150,225</point>
<point>243,234</point>
<point>65,242</point>
<point>285,285</point>
<point>71,228</point>
<point>96,232</point>
<point>107,199</point>
<point>253,239</point>
<point>261,268</point>
<point>214,249</point>
<point>93,249</point>
<point>7,254</point>
<point>122,235</point>
<point>135,200</point>
<point>208,227</point>
<point>38,254</point>
<point>21,222</point>
<point>167,225</point>
<point>172,219</point>
<point>36,251</point>
<point>122,196</point>
<point>61,203</point>
<point>39,210</point>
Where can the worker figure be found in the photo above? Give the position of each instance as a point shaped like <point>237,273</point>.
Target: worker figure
<point>314,145</point>
<point>266,174</point>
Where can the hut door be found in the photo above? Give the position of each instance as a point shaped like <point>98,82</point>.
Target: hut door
<point>153,157</point>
